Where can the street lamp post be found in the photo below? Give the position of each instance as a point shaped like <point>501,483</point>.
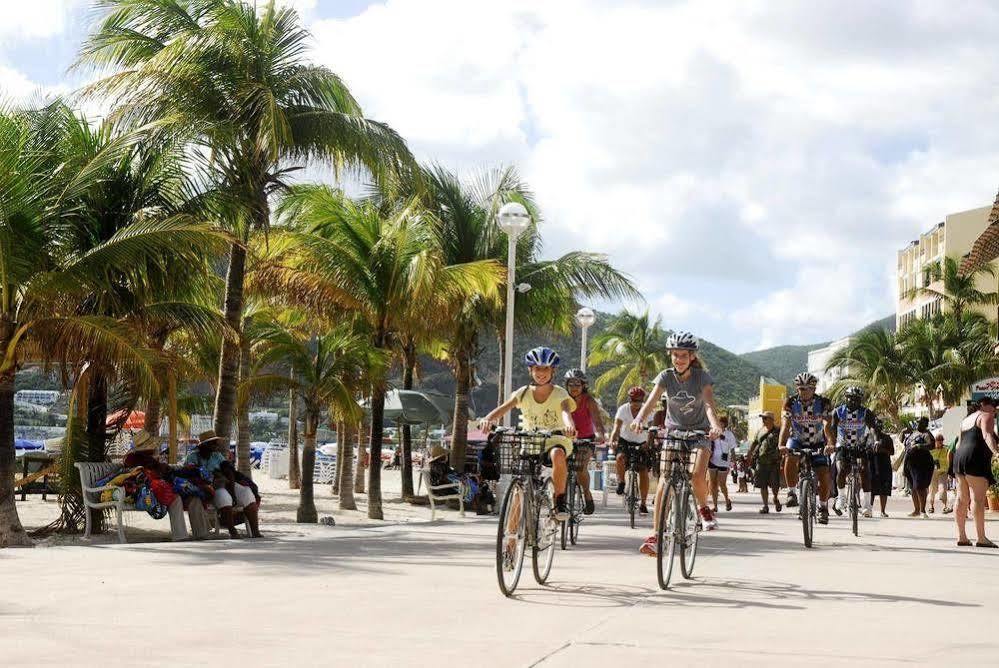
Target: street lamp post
<point>513,219</point>
<point>585,319</point>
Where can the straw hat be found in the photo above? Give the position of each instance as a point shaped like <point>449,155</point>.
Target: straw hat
<point>143,440</point>
<point>437,452</point>
<point>208,437</point>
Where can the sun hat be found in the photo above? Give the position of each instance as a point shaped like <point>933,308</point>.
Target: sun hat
<point>437,452</point>
<point>143,440</point>
<point>208,437</point>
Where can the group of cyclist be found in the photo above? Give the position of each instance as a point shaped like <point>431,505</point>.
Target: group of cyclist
<point>682,399</point>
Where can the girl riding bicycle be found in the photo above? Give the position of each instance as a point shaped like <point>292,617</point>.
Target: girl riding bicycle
<point>690,405</point>
<point>546,407</point>
<point>589,426</point>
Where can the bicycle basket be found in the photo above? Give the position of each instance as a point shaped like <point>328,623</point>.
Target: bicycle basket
<point>509,446</point>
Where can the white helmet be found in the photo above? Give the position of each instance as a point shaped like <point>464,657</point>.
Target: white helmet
<point>805,379</point>
<point>681,341</point>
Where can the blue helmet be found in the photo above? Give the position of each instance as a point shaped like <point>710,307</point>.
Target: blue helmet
<point>541,356</point>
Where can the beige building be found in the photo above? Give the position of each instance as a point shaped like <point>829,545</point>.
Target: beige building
<point>954,237</point>
<point>818,360</point>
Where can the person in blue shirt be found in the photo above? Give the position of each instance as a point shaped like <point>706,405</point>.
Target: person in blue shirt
<point>228,488</point>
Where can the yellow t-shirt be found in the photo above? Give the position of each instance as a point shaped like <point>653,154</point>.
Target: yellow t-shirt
<point>546,416</point>
<point>940,457</point>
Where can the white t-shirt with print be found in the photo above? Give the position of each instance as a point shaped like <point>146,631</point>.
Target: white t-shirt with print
<point>721,450</point>
<point>626,418</point>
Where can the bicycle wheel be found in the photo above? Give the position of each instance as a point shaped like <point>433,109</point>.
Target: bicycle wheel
<point>511,538</point>
<point>632,497</point>
<point>805,506</point>
<point>666,537</point>
<point>564,528</point>
<point>691,529</point>
<point>576,513</point>
<point>546,528</point>
<point>851,487</point>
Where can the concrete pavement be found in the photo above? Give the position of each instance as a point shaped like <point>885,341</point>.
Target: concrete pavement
<point>425,594</point>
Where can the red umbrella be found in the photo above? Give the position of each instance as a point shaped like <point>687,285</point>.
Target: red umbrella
<point>136,420</point>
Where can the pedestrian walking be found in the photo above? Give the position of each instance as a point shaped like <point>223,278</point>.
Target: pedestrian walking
<point>765,454</point>
<point>881,467</point>
<point>973,469</point>
<point>940,481</point>
<point>722,451</point>
<point>919,466</point>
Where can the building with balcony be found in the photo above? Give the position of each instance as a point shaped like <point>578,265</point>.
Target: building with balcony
<point>954,237</point>
<point>818,361</point>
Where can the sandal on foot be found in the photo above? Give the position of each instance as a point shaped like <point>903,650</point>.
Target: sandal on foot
<point>985,543</point>
<point>964,543</point>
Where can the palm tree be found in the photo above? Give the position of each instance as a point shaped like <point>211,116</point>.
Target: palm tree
<point>341,254</point>
<point>468,231</point>
<point>876,360</point>
<point>90,236</point>
<point>958,291</point>
<point>329,369</point>
<point>635,347</point>
<point>233,79</point>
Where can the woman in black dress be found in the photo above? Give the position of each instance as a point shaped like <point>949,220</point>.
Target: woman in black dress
<point>881,471</point>
<point>973,469</point>
<point>919,466</point>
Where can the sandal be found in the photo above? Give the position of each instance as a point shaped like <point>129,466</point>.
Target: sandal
<point>964,543</point>
<point>777,505</point>
<point>985,543</point>
<point>764,510</point>
<point>728,505</point>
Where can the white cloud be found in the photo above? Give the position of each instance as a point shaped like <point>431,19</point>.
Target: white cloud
<point>14,86</point>
<point>37,19</point>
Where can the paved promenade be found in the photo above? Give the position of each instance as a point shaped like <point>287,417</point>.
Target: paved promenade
<point>425,594</point>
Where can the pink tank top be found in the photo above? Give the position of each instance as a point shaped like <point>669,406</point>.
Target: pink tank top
<point>582,419</point>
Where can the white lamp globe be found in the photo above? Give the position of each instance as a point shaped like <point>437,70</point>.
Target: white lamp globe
<point>585,317</point>
<point>513,218</point>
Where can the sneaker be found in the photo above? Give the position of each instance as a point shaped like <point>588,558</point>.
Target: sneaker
<point>884,514</point>
<point>643,509</point>
<point>589,507</point>
<point>708,521</point>
<point>792,500</point>
<point>561,512</point>
<point>650,547</point>
<point>764,510</point>
<point>777,505</point>
<point>947,510</point>
<point>914,514</point>
<point>620,489</point>
<point>931,510</point>
<point>867,512</point>
<point>823,515</point>
<point>728,504</point>
<point>839,513</point>
<point>925,516</point>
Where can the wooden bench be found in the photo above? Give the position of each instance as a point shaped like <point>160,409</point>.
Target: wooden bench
<point>91,472</point>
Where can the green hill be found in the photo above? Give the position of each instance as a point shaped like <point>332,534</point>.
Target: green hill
<point>784,362</point>
<point>736,379</point>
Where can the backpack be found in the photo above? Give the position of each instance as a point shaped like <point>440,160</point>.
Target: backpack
<point>488,462</point>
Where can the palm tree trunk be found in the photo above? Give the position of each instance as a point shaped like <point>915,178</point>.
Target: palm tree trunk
<point>306,501</point>
<point>225,396</point>
<point>97,433</point>
<point>375,460</point>
<point>459,431</point>
<point>171,417</point>
<point>152,424</point>
<point>345,466</point>
<point>11,531</point>
<point>294,472</point>
<point>243,412</point>
<point>362,455</point>
<point>409,368</point>
<point>335,483</point>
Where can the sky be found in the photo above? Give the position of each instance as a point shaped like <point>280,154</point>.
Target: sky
<point>754,166</point>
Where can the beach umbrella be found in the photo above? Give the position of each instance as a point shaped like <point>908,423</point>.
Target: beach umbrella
<point>136,420</point>
<point>25,444</point>
<point>410,407</point>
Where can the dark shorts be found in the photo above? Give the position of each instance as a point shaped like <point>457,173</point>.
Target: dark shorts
<point>712,467</point>
<point>818,461</point>
<point>546,459</point>
<point>627,448</point>
<point>767,475</point>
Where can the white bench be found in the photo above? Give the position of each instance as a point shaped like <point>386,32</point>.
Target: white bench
<point>91,472</point>
<point>444,492</point>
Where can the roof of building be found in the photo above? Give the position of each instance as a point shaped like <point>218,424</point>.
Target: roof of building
<point>986,246</point>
